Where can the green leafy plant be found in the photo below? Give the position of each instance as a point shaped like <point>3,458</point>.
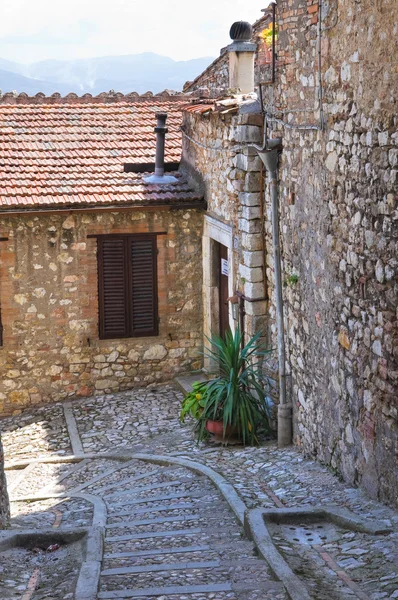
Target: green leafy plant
<point>266,35</point>
<point>194,402</point>
<point>292,279</point>
<point>236,396</point>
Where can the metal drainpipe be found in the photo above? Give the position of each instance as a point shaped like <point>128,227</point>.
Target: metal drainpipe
<point>284,407</point>
<point>269,155</point>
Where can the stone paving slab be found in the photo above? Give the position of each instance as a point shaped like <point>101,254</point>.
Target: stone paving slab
<point>44,514</point>
<point>146,421</point>
<point>35,433</point>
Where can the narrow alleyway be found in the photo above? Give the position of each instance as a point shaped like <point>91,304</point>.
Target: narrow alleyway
<point>169,532</point>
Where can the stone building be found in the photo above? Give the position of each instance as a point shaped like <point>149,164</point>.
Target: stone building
<point>98,268</point>
<point>337,197</point>
<point>332,101</point>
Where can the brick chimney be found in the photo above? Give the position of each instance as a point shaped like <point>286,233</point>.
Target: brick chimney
<point>241,57</point>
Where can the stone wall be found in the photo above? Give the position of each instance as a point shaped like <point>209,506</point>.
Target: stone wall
<point>339,234</point>
<point>338,211</point>
<point>215,77</point>
<point>4,505</point>
<point>216,148</point>
<point>49,303</point>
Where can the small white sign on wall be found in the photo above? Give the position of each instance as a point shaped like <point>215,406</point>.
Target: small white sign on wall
<point>224,267</point>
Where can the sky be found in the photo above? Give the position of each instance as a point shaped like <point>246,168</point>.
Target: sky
<point>32,30</point>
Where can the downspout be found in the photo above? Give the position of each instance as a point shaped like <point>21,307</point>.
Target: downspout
<point>269,154</point>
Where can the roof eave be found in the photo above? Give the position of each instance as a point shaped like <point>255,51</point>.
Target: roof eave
<point>181,205</point>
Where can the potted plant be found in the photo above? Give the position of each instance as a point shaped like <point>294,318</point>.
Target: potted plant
<point>233,402</point>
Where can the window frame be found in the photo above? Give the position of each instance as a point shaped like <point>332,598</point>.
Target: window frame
<point>128,239</point>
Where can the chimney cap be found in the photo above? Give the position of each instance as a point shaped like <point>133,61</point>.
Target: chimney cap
<point>241,31</point>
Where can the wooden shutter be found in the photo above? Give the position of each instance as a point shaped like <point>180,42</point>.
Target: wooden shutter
<point>113,293</point>
<point>143,255</point>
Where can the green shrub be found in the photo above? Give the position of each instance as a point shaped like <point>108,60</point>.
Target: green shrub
<point>236,396</point>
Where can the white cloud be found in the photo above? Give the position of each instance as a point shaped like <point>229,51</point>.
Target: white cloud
<point>33,30</point>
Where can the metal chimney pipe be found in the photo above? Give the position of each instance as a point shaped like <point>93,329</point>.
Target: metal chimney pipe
<point>159,178</point>
<point>160,131</point>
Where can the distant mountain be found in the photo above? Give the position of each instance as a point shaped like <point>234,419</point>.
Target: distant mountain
<point>130,73</point>
<point>12,81</point>
<point>14,67</point>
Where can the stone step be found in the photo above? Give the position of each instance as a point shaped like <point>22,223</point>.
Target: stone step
<point>185,382</point>
<point>175,519</point>
<point>123,556</point>
<point>169,550</point>
<point>159,508</point>
<point>126,481</point>
<point>125,529</point>
<point>182,494</point>
<point>180,566</point>
<point>152,534</point>
<point>176,590</point>
<point>145,488</point>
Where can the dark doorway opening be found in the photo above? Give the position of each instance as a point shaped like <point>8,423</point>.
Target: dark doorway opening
<point>223,288</point>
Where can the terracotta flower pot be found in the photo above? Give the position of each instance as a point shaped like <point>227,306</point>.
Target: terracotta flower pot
<point>217,428</point>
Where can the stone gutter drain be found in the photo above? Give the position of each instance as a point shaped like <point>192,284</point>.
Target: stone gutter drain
<point>256,529</point>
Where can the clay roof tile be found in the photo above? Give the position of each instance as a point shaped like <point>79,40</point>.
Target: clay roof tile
<point>72,151</point>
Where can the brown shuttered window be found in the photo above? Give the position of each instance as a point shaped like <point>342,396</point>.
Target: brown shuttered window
<point>127,281</point>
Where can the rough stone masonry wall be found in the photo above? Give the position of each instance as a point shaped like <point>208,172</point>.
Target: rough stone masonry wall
<point>215,77</point>
<point>230,172</point>
<point>49,303</point>
<point>338,198</point>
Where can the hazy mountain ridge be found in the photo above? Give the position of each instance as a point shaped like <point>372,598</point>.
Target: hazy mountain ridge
<point>129,73</point>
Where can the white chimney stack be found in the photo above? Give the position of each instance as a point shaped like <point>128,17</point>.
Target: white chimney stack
<point>241,57</point>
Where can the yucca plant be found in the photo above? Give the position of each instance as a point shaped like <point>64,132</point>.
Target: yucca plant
<point>236,396</point>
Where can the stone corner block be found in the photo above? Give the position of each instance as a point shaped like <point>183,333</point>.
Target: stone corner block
<point>252,275</point>
<point>249,198</point>
<point>247,162</point>
<point>252,241</point>
<point>246,133</point>
<point>254,290</point>
<point>253,258</point>
<point>252,226</point>
<point>252,182</point>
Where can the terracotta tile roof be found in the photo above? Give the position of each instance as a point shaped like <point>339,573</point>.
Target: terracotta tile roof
<point>61,155</point>
<point>199,107</point>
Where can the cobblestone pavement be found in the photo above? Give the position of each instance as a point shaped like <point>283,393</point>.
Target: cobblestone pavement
<point>169,532</point>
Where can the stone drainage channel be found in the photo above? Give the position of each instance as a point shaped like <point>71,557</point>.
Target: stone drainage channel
<point>149,526</point>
